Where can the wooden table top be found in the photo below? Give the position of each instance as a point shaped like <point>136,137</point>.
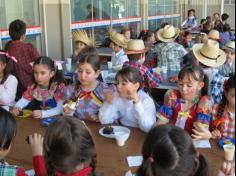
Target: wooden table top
<point>111,158</point>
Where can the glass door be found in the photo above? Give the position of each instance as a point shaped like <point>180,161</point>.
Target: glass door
<point>26,10</point>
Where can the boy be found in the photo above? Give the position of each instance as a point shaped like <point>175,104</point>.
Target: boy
<point>25,53</point>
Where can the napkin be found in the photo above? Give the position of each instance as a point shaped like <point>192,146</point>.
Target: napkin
<point>202,144</point>
<point>134,161</point>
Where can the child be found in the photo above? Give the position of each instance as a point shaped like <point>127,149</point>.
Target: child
<point>226,36</point>
<point>132,107</point>
<point>88,94</point>
<point>202,23</point>
<point>117,45</point>
<point>188,43</point>
<point>229,66</point>
<point>191,21</point>
<point>127,34</point>
<point>210,57</point>
<point>25,54</point>
<point>218,24</point>
<point>81,40</point>
<point>68,147</point>
<point>45,95</point>
<point>8,83</point>
<point>188,107</point>
<point>148,37</point>
<point>168,150</point>
<point>136,53</point>
<point>8,130</point>
<point>224,113</point>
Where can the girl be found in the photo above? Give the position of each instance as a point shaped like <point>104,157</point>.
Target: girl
<point>132,107</point>
<point>68,148</point>
<point>88,94</point>
<point>127,34</point>
<point>226,36</point>
<point>188,107</point>
<point>8,130</point>
<point>168,150</point>
<point>148,37</point>
<point>8,82</point>
<point>45,95</point>
<point>224,113</point>
<point>191,21</point>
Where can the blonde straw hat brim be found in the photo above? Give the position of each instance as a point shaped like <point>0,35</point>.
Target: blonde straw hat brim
<point>136,52</point>
<point>208,61</point>
<point>167,40</point>
<point>81,36</point>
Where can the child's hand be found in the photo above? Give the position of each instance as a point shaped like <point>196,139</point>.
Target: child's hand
<point>133,96</point>
<point>67,110</point>
<point>200,133</point>
<point>109,96</point>
<point>36,143</point>
<point>173,79</point>
<point>228,169</point>
<point>15,111</point>
<point>37,114</point>
<point>216,134</point>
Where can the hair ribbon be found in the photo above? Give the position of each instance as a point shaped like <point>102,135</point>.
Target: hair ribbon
<point>8,56</point>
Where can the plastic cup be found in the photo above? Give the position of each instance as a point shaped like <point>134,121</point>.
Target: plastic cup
<point>109,64</point>
<point>121,138</point>
<point>229,151</point>
<point>164,69</point>
<point>68,67</point>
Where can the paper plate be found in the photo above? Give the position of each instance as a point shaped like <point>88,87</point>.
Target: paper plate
<point>116,129</point>
<point>26,114</point>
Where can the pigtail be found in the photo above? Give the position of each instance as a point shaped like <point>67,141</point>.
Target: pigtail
<point>206,85</point>
<point>50,168</point>
<point>202,166</point>
<point>93,165</point>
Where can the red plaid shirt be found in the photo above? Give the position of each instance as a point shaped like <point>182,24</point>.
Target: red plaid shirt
<point>153,79</point>
<point>25,54</point>
<point>228,129</point>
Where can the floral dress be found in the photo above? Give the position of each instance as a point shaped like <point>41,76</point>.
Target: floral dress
<point>43,98</point>
<point>199,113</point>
<point>88,103</point>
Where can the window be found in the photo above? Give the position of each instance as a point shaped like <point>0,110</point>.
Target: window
<point>26,10</point>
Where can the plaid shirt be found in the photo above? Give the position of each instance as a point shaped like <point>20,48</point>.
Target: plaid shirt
<point>228,128</point>
<point>216,89</point>
<point>170,55</point>
<point>153,79</point>
<point>25,54</point>
<point>10,170</point>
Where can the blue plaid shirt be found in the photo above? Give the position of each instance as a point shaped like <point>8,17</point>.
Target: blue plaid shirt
<point>170,55</point>
<point>216,89</point>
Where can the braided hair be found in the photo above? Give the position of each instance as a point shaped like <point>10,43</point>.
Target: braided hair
<point>67,144</point>
<point>229,84</point>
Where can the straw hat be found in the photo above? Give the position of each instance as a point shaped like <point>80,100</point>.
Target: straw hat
<point>168,34</point>
<point>230,46</point>
<point>214,35</point>
<point>82,36</point>
<point>209,54</point>
<point>136,47</point>
<point>117,38</point>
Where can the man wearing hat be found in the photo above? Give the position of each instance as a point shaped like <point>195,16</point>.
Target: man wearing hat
<point>136,52</point>
<point>118,44</point>
<point>229,66</point>
<point>210,57</point>
<point>169,53</point>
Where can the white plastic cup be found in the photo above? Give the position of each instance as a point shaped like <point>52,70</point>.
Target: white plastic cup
<point>68,67</point>
<point>164,69</point>
<point>121,138</point>
<point>229,151</point>
<point>68,64</point>
<point>109,64</point>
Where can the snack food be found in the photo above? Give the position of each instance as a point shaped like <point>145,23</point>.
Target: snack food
<point>108,130</point>
<point>21,113</point>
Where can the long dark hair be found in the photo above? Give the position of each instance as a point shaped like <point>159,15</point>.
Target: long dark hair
<point>230,84</point>
<point>130,74</point>
<point>8,129</point>
<point>91,59</point>
<point>197,73</point>
<point>50,64</point>
<point>5,60</point>
<point>67,144</point>
<point>145,34</point>
<point>169,151</point>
